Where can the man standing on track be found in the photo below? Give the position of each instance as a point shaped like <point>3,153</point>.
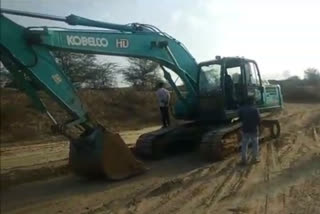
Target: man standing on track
<point>163,96</point>
<point>250,118</point>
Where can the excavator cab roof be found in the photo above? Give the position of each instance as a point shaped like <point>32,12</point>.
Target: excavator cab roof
<point>231,61</point>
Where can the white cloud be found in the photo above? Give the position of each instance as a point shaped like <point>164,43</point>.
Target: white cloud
<point>176,16</point>
<point>197,22</point>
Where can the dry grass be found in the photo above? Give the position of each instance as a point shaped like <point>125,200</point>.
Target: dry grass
<point>121,109</point>
<point>116,109</point>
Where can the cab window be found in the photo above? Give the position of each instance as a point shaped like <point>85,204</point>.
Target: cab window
<point>252,76</point>
<point>210,78</point>
<point>235,74</point>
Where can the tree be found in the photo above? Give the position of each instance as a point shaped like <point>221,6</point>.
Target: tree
<point>80,68</point>
<point>312,76</point>
<point>85,68</point>
<point>102,76</point>
<point>142,73</point>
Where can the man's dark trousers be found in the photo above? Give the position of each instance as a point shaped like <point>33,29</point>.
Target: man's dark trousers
<point>165,116</point>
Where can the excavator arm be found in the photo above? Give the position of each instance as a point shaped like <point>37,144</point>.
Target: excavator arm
<point>134,40</point>
<point>27,54</point>
<point>34,64</point>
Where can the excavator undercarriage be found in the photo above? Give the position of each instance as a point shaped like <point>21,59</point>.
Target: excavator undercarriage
<point>215,142</point>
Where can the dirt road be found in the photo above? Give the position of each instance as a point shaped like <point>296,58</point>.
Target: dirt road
<point>287,180</point>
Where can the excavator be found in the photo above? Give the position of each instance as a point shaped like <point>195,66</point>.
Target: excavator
<point>207,103</point>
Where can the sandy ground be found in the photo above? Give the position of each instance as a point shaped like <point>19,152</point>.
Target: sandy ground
<point>20,157</point>
<point>42,160</point>
<point>287,180</point>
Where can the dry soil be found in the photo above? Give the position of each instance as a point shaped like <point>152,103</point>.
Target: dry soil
<point>287,180</point>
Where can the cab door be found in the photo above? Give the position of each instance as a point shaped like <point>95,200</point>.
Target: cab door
<point>253,81</point>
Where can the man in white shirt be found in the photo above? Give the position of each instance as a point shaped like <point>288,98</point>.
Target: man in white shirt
<point>163,96</point>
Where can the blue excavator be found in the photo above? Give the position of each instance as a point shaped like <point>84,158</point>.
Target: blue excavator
<point>207,103</point>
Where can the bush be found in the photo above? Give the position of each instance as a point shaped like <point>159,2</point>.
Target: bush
<point>297,90</point>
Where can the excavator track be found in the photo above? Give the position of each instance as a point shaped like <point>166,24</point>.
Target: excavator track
<point>220,142</point>
<point>159,143</point>
<point>215,142</point>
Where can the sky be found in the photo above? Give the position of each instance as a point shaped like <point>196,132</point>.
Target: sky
<point>282,36</point>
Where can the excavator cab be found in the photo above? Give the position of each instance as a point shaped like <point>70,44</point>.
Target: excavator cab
<point>245,81</point>
<point>224,85</point>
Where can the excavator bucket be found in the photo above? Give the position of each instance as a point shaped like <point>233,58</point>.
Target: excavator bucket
<point>103,153</point>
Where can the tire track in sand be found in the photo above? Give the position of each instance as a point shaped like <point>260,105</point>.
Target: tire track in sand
<point>113,206</point>
<point>190,186</point>
<point>253,197</point>
<point>276,161</point>
<point>160,196</point>
<point>229,186</point>
<point>235,179</point>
